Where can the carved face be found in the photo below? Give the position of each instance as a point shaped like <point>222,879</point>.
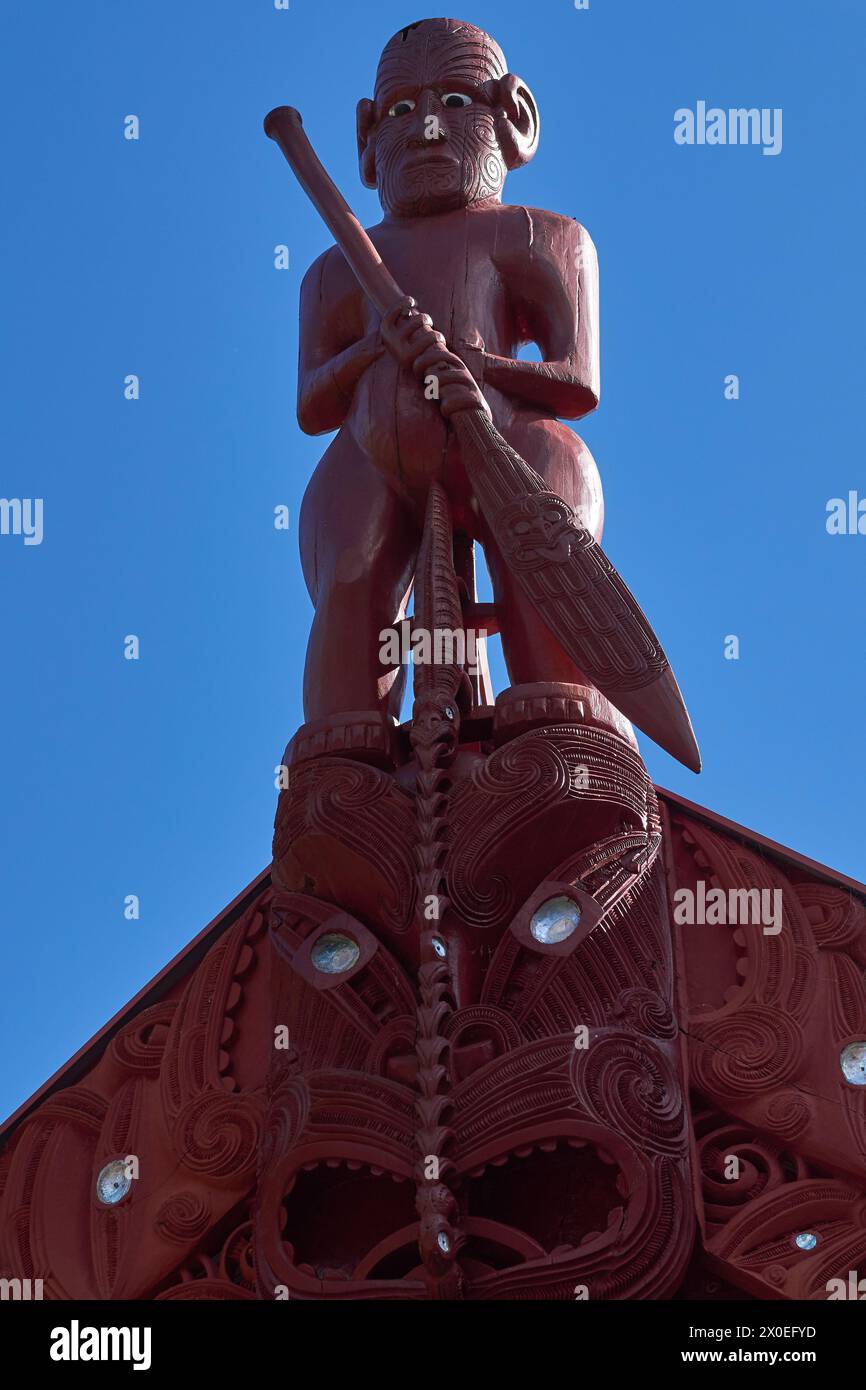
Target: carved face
<point>439,134</point>
<point>540,529</point>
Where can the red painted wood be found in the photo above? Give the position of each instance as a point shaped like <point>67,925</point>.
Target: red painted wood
<point>465,1111</point>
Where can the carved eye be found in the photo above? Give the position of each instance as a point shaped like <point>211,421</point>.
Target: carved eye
<point>402,108</point>
<point>456,99</point>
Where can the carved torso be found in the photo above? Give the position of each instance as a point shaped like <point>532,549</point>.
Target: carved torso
<point>476,273</point>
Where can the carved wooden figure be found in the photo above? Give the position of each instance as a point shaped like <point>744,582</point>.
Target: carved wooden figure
<point>480,902</point>
<point>447,123</point>
<point>458,1043</point>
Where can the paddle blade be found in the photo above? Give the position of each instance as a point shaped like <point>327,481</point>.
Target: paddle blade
<point>574,588</point>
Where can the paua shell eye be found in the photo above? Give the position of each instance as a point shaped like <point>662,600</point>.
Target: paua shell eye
<point>456,99</point>
<point>113,1183</point>
<point>334,953</point>
<point>402,108</point>
<point>555,920</point>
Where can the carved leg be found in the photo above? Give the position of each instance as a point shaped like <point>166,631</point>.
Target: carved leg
<point>358,549</point>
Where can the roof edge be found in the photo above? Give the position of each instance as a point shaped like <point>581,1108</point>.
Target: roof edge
<point>179,966</point>
<point>192,953</point>
<point>772,846</point>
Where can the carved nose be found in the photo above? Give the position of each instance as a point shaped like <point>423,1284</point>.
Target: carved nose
<point>429,124</point>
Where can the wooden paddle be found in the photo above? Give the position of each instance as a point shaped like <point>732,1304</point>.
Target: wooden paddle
<point>576,591</point>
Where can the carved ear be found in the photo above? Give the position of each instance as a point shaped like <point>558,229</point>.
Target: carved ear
<point>366,147</point>
<point>517,122</point>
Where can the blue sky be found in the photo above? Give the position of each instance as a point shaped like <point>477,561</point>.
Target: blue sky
<point>155,257</point>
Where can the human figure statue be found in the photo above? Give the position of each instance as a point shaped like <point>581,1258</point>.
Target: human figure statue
<point>446,124</point>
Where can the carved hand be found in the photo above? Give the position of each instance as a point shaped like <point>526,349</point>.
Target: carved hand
<point>411,338</point>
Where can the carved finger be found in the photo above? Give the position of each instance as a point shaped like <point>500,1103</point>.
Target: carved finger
<point>452,376</point>
<point>435,358</point>
<point>399,312</point>
<point>426,340</point>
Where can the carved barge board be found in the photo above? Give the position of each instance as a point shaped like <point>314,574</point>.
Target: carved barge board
<point>180,1077</point>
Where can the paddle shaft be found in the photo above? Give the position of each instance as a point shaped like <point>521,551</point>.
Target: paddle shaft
<point>284,125</point>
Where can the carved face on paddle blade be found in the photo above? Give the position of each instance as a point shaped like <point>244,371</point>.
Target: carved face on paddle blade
<point>447,121</point>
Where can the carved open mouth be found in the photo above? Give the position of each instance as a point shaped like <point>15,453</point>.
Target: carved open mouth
<point>340,1212</point>
<point>542,1199</point>
<point>345,1220</point>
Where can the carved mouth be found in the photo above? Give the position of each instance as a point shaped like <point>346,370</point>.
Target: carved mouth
<point>337,1212</point>
<point>436,160</point>
<point>547,1199</point>
<point>544,1198</point>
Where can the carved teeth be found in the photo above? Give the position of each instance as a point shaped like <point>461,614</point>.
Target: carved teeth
<point>548,1146</point>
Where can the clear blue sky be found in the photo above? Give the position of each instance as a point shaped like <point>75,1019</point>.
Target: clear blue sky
<point>156,777</point>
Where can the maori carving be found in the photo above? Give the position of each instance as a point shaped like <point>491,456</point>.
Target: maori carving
<point>771,1012</point>
<point>568,1167</point>
<point>183,1217</point>
<point>760,1243</point>
<point>446,124</point>
<point>443,1052</point>
<point>359,811</point>
<point>440,692</point>
<point>170,1092</point>
<point>570,783</point>
<point>480,143</point>
<point>458,901</point>
<point>225,1273</point>
<point>486,1101</point>
<point>571,582</point>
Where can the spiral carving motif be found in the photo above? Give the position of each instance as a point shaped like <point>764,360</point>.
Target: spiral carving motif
<point>218,1134</point>
<point>633,1088</point>
<point>183,1217</point>
<point>748,1052</point>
